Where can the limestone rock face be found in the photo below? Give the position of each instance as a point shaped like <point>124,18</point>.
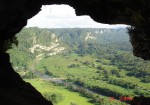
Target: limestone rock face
<point>14,15</point>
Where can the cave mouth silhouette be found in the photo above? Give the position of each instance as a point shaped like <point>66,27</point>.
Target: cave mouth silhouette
<point>14,15</point>
<point>136,98</point>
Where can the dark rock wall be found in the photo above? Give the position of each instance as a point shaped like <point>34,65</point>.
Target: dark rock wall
<point>14,15</point>
<point>13,90</point>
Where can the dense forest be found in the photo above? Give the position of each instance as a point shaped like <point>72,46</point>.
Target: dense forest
<point>96,63</point>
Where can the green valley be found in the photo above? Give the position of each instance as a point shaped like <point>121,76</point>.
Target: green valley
<point>81,66</point>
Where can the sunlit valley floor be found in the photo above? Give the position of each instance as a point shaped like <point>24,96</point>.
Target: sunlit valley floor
<point>81,66</point>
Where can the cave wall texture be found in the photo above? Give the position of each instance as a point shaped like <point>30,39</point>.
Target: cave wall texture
<point>14,15</point>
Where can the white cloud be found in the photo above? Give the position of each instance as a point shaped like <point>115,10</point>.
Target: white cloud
<point>63,16</point>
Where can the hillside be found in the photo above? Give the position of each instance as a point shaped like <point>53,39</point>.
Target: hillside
<point>96,63</point>
<point>41,42</point>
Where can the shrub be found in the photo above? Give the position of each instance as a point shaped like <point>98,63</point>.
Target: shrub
<point>54,97</point>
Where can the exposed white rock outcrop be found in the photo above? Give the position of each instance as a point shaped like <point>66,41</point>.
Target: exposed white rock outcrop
<point>34,40</point>
<point>39,55</point>
<point>89,36</point>
<point>53,49</point>
<point>99,32</point>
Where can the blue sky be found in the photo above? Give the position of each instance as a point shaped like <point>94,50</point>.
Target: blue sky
<point>63,16</point>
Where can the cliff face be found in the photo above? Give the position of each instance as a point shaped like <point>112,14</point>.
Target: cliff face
<point>14,15</point>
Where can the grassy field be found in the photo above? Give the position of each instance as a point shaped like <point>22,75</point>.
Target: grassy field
<point>86,70</point>
<point>89,74</point>
<point>68,96</point>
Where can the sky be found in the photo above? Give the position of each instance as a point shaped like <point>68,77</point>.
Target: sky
<point>63,16</point>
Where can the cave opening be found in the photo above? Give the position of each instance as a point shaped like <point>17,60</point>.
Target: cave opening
<point>54,59</point>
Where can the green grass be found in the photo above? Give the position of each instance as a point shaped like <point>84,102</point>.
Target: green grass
<point>44,86</point>
<point>58,65</point>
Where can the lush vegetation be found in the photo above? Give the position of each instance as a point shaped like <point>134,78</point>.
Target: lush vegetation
<point>58,94</point>
<point>96,63</point>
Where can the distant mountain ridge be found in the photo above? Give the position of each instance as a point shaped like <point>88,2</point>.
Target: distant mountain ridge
<point>36,43</point>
